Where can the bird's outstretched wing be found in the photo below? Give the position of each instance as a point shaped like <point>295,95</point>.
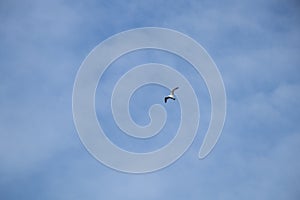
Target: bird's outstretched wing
<point>173,90</point>
<point>166,99</point>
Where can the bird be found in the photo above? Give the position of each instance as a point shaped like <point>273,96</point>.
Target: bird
<point>171,95</point>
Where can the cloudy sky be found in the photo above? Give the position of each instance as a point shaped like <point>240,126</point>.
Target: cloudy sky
<point>256,46</point>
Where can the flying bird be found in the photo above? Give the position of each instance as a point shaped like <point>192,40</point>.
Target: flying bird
<point>171,95</point>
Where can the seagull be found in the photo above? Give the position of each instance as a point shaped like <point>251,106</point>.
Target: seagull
<point>171,95</point>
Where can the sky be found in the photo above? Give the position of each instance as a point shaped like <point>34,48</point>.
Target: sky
<point>256,46</point>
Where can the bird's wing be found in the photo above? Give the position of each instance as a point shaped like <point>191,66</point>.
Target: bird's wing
<point>173,90</point>
<point>166,99</point>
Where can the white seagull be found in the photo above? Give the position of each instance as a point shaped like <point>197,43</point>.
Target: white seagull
<point>171,95</point>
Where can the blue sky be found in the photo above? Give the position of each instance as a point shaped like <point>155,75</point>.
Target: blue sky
<point>256,46</point>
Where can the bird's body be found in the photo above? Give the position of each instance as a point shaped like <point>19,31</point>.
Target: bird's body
<point>171,95</point>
